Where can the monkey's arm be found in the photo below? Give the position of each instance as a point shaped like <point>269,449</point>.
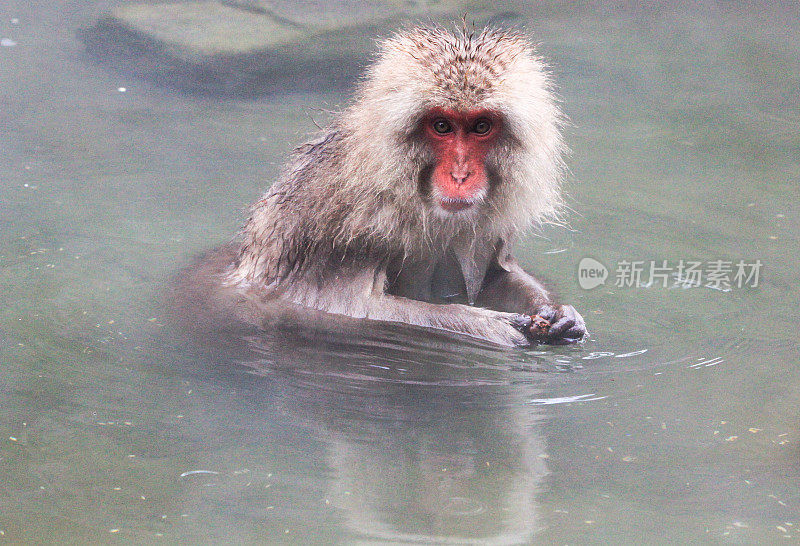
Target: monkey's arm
<point>504,328</point>
<point>509,288</point>
<point>360,292</point>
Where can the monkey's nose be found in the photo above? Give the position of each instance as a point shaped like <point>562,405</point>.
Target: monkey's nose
<point>460,175</point>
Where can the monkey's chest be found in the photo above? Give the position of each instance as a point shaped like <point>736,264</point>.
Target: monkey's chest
<point>439,282</point>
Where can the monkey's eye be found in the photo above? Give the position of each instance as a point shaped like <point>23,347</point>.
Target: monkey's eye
<point>482,126</point>
<point>442,126</point>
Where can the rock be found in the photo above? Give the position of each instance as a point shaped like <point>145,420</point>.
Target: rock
<point>249,47</point>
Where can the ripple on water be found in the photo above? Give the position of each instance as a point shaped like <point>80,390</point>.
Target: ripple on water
<point>566,399</point>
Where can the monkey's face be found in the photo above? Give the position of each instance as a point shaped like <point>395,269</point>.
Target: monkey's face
<point>460,143</point>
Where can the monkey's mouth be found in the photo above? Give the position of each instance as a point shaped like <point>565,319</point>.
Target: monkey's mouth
<point>456,204</point>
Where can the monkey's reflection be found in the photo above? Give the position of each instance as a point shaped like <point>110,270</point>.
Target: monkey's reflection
<point>425,439</point>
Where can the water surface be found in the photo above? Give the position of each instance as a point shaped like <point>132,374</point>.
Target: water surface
<point>677,418</point>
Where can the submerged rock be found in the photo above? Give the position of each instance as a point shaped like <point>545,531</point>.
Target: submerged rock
<point>249,47</point>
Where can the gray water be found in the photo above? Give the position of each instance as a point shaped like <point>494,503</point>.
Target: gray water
<point>677,421</point>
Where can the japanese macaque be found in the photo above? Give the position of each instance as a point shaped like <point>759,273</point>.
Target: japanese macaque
<point>404,210</point>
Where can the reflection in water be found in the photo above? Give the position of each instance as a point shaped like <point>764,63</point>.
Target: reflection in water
<point>423,442</point>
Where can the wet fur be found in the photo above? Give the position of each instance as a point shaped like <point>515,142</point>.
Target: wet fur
<point>349,228</point>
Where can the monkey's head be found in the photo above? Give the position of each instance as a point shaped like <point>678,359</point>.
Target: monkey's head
<point>465,122</point>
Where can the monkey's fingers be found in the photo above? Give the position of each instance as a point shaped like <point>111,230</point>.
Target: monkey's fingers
<point>546,312</point>
<point>521,322</point>
<point>551,325</point>
<point>561,326</point>
<point>569,328</point>
<point>573,335</point>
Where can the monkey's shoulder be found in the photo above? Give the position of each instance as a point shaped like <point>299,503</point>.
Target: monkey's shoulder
<point>311,165</point>
<point>323,145</point>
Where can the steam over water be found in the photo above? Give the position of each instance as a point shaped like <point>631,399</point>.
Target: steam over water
<point>677,420</point>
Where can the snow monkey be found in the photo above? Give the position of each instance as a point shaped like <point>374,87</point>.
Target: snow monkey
<point>405,208</point>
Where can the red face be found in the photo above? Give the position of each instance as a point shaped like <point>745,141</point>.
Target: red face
<point>460,142</point>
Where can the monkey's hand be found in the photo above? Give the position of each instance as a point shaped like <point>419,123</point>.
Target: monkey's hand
<point>557,324</point>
